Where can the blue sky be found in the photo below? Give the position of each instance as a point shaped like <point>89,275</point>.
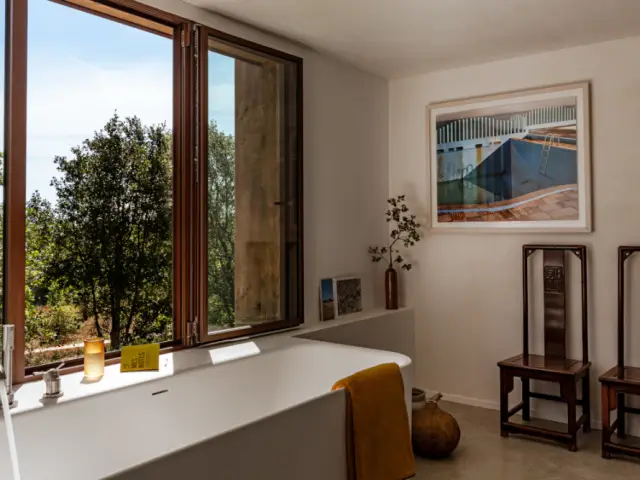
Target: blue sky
<point>83,68</point>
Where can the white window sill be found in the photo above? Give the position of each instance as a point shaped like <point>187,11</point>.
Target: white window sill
<point>74,387</point>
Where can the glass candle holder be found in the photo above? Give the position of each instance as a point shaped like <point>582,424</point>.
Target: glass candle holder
<point>93,358</point>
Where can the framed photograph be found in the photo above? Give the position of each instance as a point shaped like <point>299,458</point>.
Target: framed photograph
<point>327,300</point>
<point>348,295</point>
<point>517,161</point>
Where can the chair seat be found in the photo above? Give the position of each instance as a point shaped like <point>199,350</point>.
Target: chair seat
<point>630,376</point>
<point>540,363</point>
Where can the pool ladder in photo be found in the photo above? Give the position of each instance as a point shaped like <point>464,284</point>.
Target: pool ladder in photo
<point>546,151</point>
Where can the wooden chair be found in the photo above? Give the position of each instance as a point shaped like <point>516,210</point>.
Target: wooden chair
<point>553,366</point>
<point>620,380</point>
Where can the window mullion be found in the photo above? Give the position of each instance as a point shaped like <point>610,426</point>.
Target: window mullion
<point>183,277</point>
<point>15,175</point>
<point>199,183</point>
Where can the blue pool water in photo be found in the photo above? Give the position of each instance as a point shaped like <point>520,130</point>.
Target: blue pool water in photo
<point>516,167</point>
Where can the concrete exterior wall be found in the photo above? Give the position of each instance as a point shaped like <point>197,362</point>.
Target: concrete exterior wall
<point>257,189</point>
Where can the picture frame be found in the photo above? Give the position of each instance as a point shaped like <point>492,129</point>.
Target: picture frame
<point>348,295</point>
<point>328,305</point>
<point>512,162</point>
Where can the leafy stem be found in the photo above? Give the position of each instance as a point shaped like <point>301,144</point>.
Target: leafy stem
<point>405,230</point>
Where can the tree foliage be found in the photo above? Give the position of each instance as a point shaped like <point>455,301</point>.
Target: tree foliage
<point>221,227</point>
<point>101,256</point>
<point>112,230</point>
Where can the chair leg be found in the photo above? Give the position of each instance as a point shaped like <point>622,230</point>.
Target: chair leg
<point>505,380</point>
<point>526,399</point>
<point>586,403</point>
<point>622,420</point>
<point>606,421</point>
<point>569,393</point>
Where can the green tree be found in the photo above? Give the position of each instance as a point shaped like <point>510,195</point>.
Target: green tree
<point>39,248</point>
<point>221,227</point>
<point>102,254</point>
<point>112,231</point>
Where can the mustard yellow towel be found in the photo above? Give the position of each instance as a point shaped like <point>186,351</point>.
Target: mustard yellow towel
<point>378,435</point>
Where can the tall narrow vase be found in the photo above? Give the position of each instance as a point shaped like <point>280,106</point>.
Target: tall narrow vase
<point>391,288</point>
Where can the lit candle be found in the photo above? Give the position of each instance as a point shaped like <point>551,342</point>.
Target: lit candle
<point>94,358</point>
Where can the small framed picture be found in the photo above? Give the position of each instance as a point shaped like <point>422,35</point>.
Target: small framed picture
<point>347,292</point>
<point>327,300</point>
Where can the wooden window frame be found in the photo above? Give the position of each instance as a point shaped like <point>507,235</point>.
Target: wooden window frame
<point>189,289</point>
<point>15,153</point>
<point>292,301</point>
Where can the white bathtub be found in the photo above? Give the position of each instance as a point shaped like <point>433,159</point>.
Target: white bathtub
<point>268,416</point>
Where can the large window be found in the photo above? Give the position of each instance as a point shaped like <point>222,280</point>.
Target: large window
<point>152,188</point>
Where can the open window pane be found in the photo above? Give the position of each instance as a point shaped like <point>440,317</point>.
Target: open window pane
<point>99,183</point>
<point>252,187</point>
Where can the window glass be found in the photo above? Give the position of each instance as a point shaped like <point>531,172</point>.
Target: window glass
<point>99,183</point>
<point>221,197</point>
<point>252,189</point>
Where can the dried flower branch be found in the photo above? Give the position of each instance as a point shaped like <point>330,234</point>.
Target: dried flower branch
<point>405,231</point>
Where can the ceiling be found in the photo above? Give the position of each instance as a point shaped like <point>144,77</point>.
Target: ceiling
<point>393,38</point>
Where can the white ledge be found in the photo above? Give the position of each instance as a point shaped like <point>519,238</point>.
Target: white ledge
<point>29,395</point>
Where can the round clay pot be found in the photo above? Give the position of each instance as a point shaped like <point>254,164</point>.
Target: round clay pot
<point>435,433</point>
<point>418,399</point>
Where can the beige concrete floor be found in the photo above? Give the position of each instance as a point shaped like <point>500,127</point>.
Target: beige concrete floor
<point>484,455</point>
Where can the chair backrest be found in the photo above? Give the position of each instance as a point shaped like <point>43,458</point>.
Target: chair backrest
<point>624,252</point>
<point>555,307</point>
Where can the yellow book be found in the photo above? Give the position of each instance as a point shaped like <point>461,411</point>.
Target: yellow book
<point>140,357</point>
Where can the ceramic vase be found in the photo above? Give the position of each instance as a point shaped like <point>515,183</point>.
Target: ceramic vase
<point>391,288</point>
<point>435,433</point>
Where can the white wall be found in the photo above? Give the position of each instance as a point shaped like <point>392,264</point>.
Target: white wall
<point>466,288</point>
<point>346,179</point>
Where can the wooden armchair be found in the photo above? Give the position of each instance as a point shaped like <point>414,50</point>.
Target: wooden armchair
<point>620,380</point>
<point>553,366</point>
